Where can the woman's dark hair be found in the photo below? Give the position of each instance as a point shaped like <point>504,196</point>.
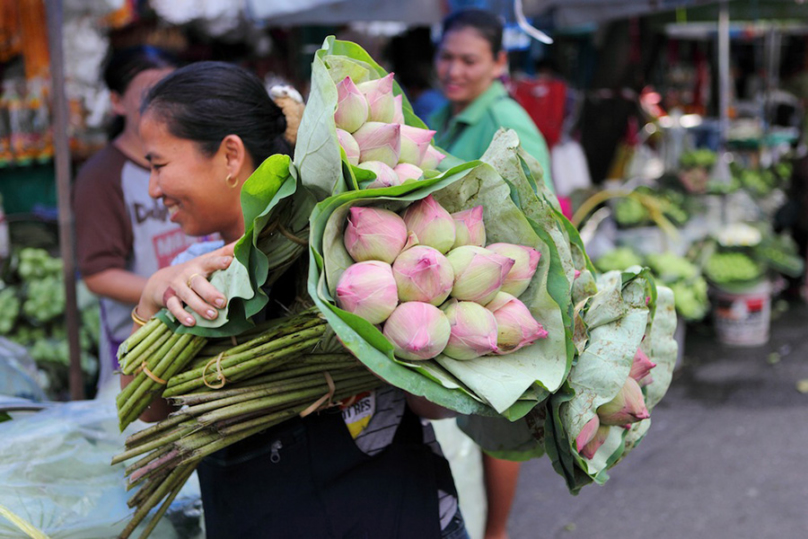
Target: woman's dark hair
<point>487,24</point>
<point>123,65</point>
<point>206,101</point>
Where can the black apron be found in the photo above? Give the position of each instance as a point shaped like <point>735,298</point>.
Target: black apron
<point>307,479</point>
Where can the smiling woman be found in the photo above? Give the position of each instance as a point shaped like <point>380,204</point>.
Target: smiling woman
<point>205,129</point>
<point>469,63</point>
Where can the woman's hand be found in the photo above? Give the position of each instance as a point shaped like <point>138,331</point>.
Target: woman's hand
<point>187,284</point>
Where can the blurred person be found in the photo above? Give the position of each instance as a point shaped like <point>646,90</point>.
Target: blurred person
<point>122,235</point>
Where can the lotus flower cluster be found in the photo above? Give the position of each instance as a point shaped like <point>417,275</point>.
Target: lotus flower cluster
<point>427,277</point>
<point>373,135</point>
<point>626,408</point>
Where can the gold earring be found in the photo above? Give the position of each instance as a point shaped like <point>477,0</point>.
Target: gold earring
<point>231,185</point>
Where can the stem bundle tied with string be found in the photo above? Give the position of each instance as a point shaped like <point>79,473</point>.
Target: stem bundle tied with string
<point>211,419</point>
<point>158,359</point>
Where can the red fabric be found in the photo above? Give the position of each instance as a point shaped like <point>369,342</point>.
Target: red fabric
<point>544,101</point>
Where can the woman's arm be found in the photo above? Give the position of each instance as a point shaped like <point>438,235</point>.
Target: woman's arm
<point>428,410</point>
<point>117,284</point>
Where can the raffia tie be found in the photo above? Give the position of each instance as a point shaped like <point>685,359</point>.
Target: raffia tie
<point>145,369</point>
<point>316,405</point>
<point>219,372</point>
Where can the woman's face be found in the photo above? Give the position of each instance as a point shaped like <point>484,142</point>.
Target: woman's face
<point>192,185</point>
<point>466,66</point>
<point>128,104</point>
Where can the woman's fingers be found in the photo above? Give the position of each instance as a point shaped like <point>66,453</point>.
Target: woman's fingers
<point>176,307</point>
<point>196,292</point>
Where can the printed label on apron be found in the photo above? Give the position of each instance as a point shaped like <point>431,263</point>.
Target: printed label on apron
<point>357,411</point>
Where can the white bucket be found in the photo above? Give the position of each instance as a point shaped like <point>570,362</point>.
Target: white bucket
<point>742,318</point>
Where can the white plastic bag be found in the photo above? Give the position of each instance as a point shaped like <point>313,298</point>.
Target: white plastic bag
<point>570,170</point>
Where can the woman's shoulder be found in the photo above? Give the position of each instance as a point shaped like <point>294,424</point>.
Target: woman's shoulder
<point>507,112</point>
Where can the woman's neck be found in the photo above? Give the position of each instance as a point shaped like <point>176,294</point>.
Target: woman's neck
<point>129,143</point>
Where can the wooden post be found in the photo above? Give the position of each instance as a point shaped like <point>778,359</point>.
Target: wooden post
<point>62,165</point>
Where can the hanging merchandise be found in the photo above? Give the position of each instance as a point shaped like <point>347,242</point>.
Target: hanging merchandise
<point>33,26</point>
<point>10,41</point>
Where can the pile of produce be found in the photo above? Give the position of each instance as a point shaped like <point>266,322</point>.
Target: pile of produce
<point>739,256</point>
<point>677,272</point>
<point>461,283</point>
<point>644,206</point>
<point>32,314</point>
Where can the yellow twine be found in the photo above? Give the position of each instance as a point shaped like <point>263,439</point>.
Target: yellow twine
<point>219,373</point>
<point>313,407</point>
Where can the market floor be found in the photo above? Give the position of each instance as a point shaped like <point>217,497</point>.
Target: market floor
<point>724,458</point>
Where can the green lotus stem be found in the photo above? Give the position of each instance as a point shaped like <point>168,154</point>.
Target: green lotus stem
<point>136,357</point>
<point>266,390</point>
<point>167,367</point>
<point>265,402</point>
<point>258,364</point>
<point>162,450</point>
<point>241,357</point>
<point>154,430</point>
<point>266,420</point>
<point>171,436</point>
<point>159,493</point>
<point>189,469</point>
<point>154,349</point>
<point>253,383</point>
<point>221,443</point>
<point>136,403</point>
<point>138,341</point>
<point>295,372</point>
<point>153,467</point>
<point>145,491</point>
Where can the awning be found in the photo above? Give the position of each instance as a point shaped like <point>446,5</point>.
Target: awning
<point>335,12</point>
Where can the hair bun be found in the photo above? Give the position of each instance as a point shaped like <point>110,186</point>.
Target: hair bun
<point>291,104</point>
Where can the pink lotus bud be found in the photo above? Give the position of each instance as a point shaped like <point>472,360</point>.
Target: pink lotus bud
<point>385,176</point>
<point>470,227</point>
<point>479,273</point>
<point>379,142</point>
<point>646,380</point>
<point>432,158</point>
<point>589,450</point>
<point>368,289</point>
<point>627,407</point>
<point>431,223</point>
<point>423,274</point>
<point>352,107</point>
<point>374,234</point>
<point>407,171</point>
<point>474,330</point>
<point>417,330</point>
<point>398,115</point>
<point>348,143</point>
<point>587,433</point>
<point>526,260</point>
<point>379,95</point>
<point>516,326</point>
<point>576,275</point>
<point>414,143</point>
<point>641,366</point>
